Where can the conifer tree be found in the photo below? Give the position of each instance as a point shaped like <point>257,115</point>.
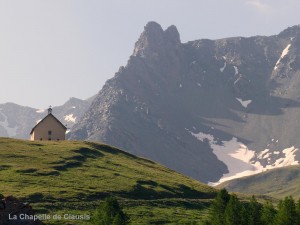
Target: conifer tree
<point>110,213</point>
<point>287,214</point>
<point>244,215</point>
<point>205,222</point>
<point>232,214</point>
<point>268,214</point>
<point>218,207</point>
<point>298,206</point>
<point>254,212</point>
<point>298,211</point>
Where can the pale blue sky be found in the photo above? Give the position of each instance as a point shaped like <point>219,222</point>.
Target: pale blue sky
<point>53,50</point>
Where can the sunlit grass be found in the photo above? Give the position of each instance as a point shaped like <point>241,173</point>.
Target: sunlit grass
<point>73,176</point>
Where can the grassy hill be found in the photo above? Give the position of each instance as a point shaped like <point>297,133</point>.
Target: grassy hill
<point>276,183</point>
<point>73,177</point>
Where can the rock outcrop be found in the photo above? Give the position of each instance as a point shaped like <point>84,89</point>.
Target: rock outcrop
<point>14,212</point>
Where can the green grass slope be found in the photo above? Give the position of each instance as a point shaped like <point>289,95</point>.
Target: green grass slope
<point>276,183</point>
<point>73,177</point>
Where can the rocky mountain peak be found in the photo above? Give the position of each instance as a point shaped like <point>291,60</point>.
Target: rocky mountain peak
<point>291,32</point>
<point>186,105</point>
<point>172,35</point>
<point>153,28</point>
<point>154,39</point>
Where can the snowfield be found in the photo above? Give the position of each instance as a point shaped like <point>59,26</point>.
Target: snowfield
<point>283,54</point>
<point>242,161</point>
<point>223,68</point>
<point>70,118</point>
<point>244,103</point>
<point>236,70</point>
<point>40,111</point>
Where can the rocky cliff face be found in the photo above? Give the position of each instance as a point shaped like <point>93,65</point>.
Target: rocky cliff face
<point>210,109</point>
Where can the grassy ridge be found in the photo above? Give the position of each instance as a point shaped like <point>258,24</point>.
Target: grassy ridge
<point>276,183</point>
<point>72,176</point>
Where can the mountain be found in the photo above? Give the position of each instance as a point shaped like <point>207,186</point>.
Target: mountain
<point>17,121</point>
<point>73,177</point>
<point>211,109</point>
<point>277,183</point>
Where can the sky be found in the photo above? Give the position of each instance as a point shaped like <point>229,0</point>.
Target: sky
<point>53,50</point>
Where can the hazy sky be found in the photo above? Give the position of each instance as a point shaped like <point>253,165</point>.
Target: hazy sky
<point>53,50</point>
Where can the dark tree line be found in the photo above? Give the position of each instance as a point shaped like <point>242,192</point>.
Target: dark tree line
<point>227,209</point>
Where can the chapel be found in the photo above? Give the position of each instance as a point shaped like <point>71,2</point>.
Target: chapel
<point>49,128</point>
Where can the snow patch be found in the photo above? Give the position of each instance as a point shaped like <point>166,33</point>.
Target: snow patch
<point>73,107</point>
<point>237,80</point>
<point>70,118</point>
<point>240,160</point>
<point>11,131</point>
<point>202,136</point>
<point>288,160</point>
<point>40,110</point>
<point>180,85</point>
<point>244,103</point>
<point>262,154</point>
<point>234,154</point>
<point>236,70</point>
<point>223,68</point>
<point>283,54</point>
<point>198,84</point>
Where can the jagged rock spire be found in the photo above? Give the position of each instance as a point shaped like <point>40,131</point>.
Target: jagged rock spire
<point>154,39</point>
